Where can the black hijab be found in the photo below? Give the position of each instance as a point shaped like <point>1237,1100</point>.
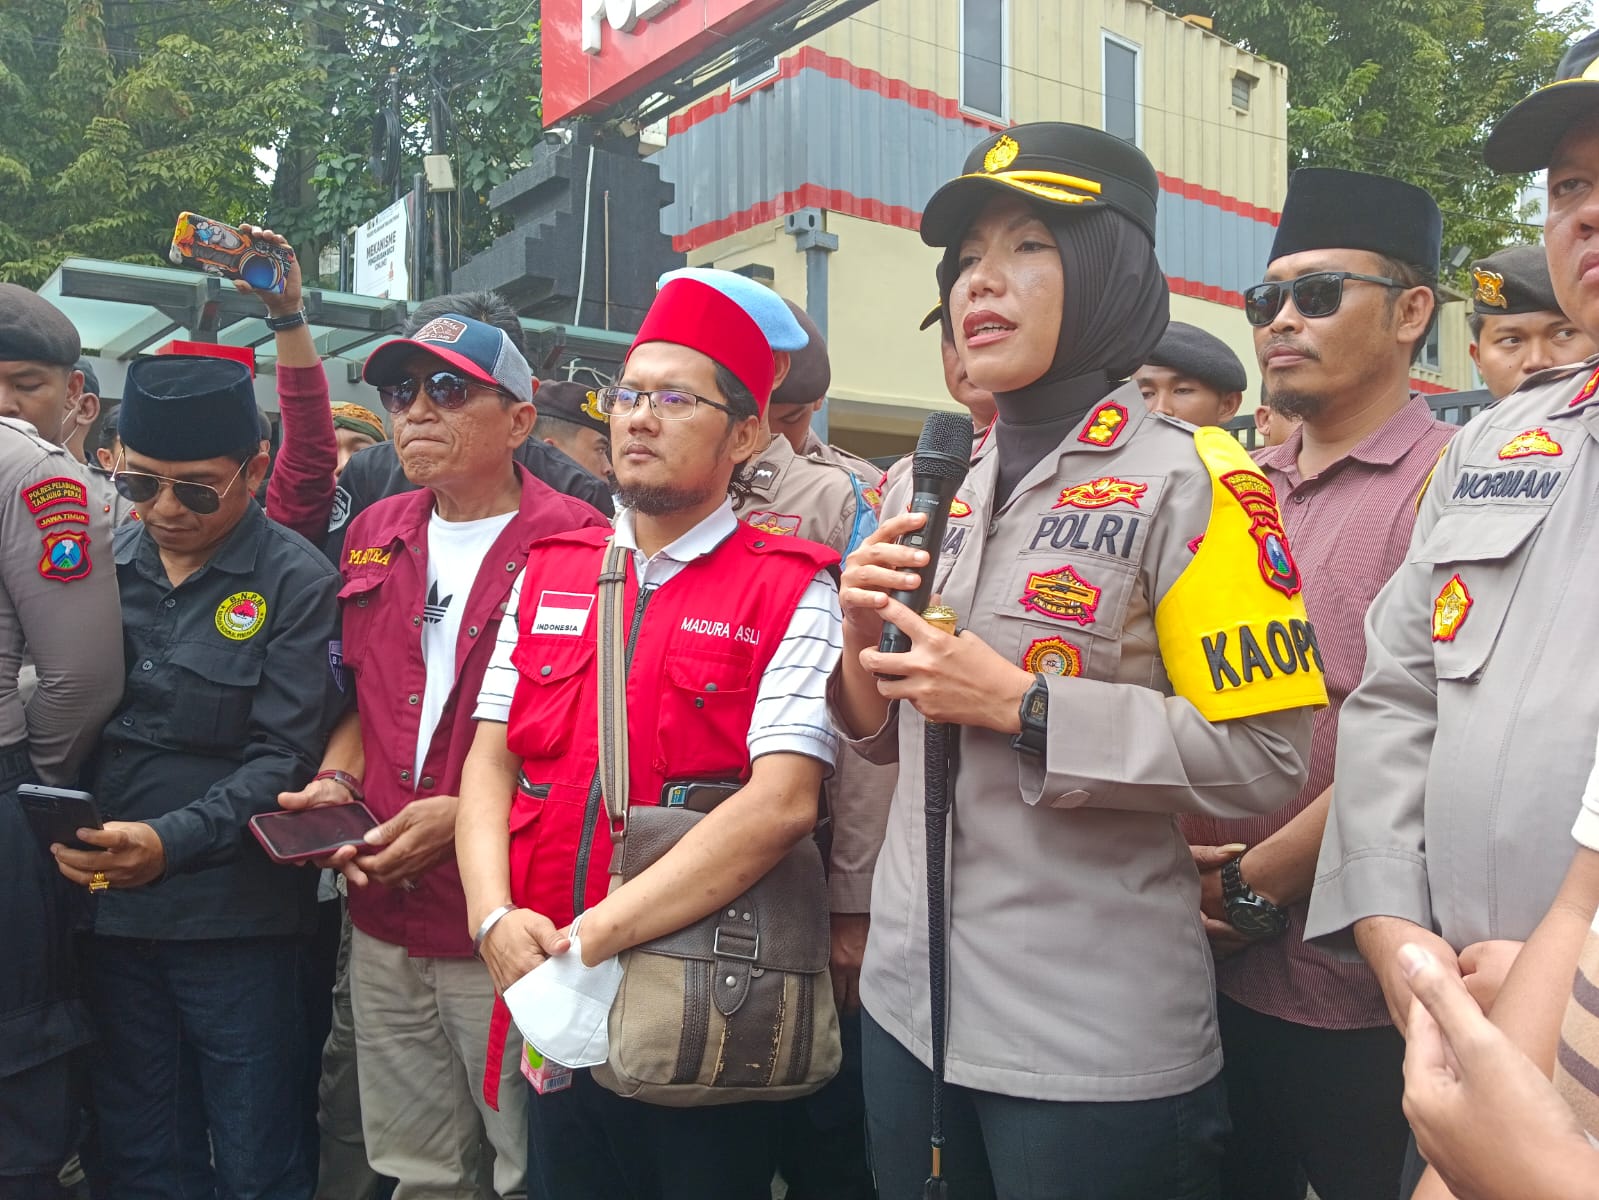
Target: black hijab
<point>1114,311</point>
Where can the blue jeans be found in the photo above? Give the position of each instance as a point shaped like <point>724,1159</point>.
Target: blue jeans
<point>1009,1148</point>
<point>198,1076</point>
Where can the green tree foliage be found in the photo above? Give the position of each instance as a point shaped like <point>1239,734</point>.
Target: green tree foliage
<point>122,113</point>
<point>1408,88</point>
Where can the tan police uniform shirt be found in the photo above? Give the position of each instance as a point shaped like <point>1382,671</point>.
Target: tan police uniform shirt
<point>1463,752</point>
<point>811,498</point>
<point>58,603</point>
<point>866,473</point>
<point>1079,967</point>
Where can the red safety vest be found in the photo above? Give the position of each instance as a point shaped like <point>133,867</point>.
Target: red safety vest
<point>700,647</point>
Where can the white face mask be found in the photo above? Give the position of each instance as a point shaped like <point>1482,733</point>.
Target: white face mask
<point>61,429</point>
<point>563,1008</point>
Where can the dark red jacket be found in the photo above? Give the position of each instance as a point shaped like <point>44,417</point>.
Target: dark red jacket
<point>385,586</point>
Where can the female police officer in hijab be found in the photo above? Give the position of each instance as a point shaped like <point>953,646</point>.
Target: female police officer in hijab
<point>1134,647</point>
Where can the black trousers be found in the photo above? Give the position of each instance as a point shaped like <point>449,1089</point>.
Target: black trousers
<point>586,1143</point>
<point>821,1139</point>
<point>1316,1105</point>
<point>1010,1148</point>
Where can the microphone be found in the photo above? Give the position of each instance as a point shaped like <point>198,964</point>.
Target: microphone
<point>943,456</point>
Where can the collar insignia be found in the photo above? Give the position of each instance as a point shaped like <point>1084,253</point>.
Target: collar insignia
<point>1105,426</point>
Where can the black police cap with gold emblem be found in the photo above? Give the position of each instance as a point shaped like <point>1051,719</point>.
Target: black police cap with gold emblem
<point>574,403</point>
<point>1524,139</point>
<point>1512,280</point>
<point>1071,167</point>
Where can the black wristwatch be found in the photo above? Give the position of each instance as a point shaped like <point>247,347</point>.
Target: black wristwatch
<point>1034,736</point>
<point>1250,914</point>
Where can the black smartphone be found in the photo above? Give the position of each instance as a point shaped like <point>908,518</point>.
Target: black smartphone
<point>56,815</point>
<point>306,833</point>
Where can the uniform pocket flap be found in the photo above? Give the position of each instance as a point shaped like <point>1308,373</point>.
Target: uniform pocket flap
<point>709,671</point>
<point>1478,536</point>
<point>231,665</point>
<point>550,660</point>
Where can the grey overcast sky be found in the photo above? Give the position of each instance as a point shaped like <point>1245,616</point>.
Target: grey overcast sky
<point>1557,5</point>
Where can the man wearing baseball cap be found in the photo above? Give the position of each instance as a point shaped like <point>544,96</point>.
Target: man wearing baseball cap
<point>1470,739</point>
<point>426,576</point>
<point>684,415</point>
<point>570,420</point>
<point>1517,328</point>
<point>1193,376</point>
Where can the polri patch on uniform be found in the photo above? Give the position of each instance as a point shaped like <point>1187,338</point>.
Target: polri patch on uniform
<point>959,508</point>
<point>776,523</point>
<point>1105,426</point>
<point>564,613</point>
<point>1053,656</point>
<point>1530,442</point>
<point>1257,498</point>
<point>66,555</point>
<point>1449,610</point>
<point>1102,493</point>
<point>1588,389</point>
<point>241,615</point>
<point>1061,594</point>
<point>58,490</point>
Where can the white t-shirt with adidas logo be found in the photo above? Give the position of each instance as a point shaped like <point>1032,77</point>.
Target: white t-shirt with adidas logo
<point>455,553</point>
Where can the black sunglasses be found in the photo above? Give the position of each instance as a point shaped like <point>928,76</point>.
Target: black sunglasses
<point>1315,295</point>
<point>202,498</point>
<point>446,389</point>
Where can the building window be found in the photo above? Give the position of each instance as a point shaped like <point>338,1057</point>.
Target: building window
<point>1122,89</point>
<point>1243,88</point>
<point>1432,355</point>
<point>984,25</point>
<point>753,73</point>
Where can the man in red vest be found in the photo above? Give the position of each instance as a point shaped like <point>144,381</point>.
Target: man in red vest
<point>725,683</point>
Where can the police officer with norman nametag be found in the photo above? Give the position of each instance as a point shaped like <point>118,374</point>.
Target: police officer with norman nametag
<point>1465,749</point>
<point>58,602</point>
<point>1517,326</point>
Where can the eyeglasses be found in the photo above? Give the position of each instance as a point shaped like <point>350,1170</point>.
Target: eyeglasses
<point>1315,295</point>
<point>667,405</point>
<point>202,498</point>
<point>446,389</point>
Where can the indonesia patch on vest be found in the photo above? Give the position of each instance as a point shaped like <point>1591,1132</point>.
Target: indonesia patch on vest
<point>562,612</point>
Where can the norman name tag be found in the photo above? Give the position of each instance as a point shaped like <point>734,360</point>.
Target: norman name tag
<point>562,612</point>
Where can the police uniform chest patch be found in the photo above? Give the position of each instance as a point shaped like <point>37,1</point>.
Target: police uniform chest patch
<point>959,508</point>
<point>1102,493</point>
<point>1449,610</point>
<point>66,556</point>
<point>1105,426</point>
<point>1061,594</point>
<point>241,615</point>
<point>1053,656</point>
<point>1257,497</point>
<point>1530,442</point>
<point>776,523</point>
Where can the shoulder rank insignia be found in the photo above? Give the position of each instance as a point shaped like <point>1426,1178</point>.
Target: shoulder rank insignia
<point>1062,594</point>
<point>1588,390</point>
<point>1490,288</point>
<point>1449,610</point>
<point>1053,656</point>
<point>1533,441</point>
<point>1259,500</point>
<point>959,508</point>
<point>775,523</point>
<point>1105,426</point>
<point>1102,493</point>
<point>66,556</point>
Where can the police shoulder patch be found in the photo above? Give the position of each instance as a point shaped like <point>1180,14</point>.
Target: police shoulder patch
<point>1450,608</point>
<point>61,489</point>
<point>1232,627</point>
<point>66,555</point>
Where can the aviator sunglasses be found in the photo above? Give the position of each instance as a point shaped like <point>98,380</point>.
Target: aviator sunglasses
<point>202,498</point>
<point>446,389</point>
<point>1315,295</point>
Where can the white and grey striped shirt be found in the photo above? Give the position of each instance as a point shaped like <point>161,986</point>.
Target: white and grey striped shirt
<point>790,706</point>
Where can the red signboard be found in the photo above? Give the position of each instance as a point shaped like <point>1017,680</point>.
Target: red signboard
<point>597,52</point>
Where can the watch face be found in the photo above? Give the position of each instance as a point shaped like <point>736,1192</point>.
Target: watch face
<point>1255,917</point>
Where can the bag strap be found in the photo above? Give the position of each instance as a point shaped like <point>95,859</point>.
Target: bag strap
<point>613,688</point>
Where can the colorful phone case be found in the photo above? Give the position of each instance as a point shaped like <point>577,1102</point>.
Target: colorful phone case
<point>222,250</point>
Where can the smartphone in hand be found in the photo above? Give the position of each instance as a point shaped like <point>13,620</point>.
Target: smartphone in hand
<point>56,815</point>
<point>219,249</point>
<point>299,835</point>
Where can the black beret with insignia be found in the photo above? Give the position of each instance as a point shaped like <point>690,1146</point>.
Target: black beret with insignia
<point>1191,351</point>
<point>1064,166</point>
<point>809,372</point>
<point>1512,280</point>
<point>186,408</point>
<point>34,330</point>
<point>1524,139</point>
<point>1331,209</point>
<point>574,402</point>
